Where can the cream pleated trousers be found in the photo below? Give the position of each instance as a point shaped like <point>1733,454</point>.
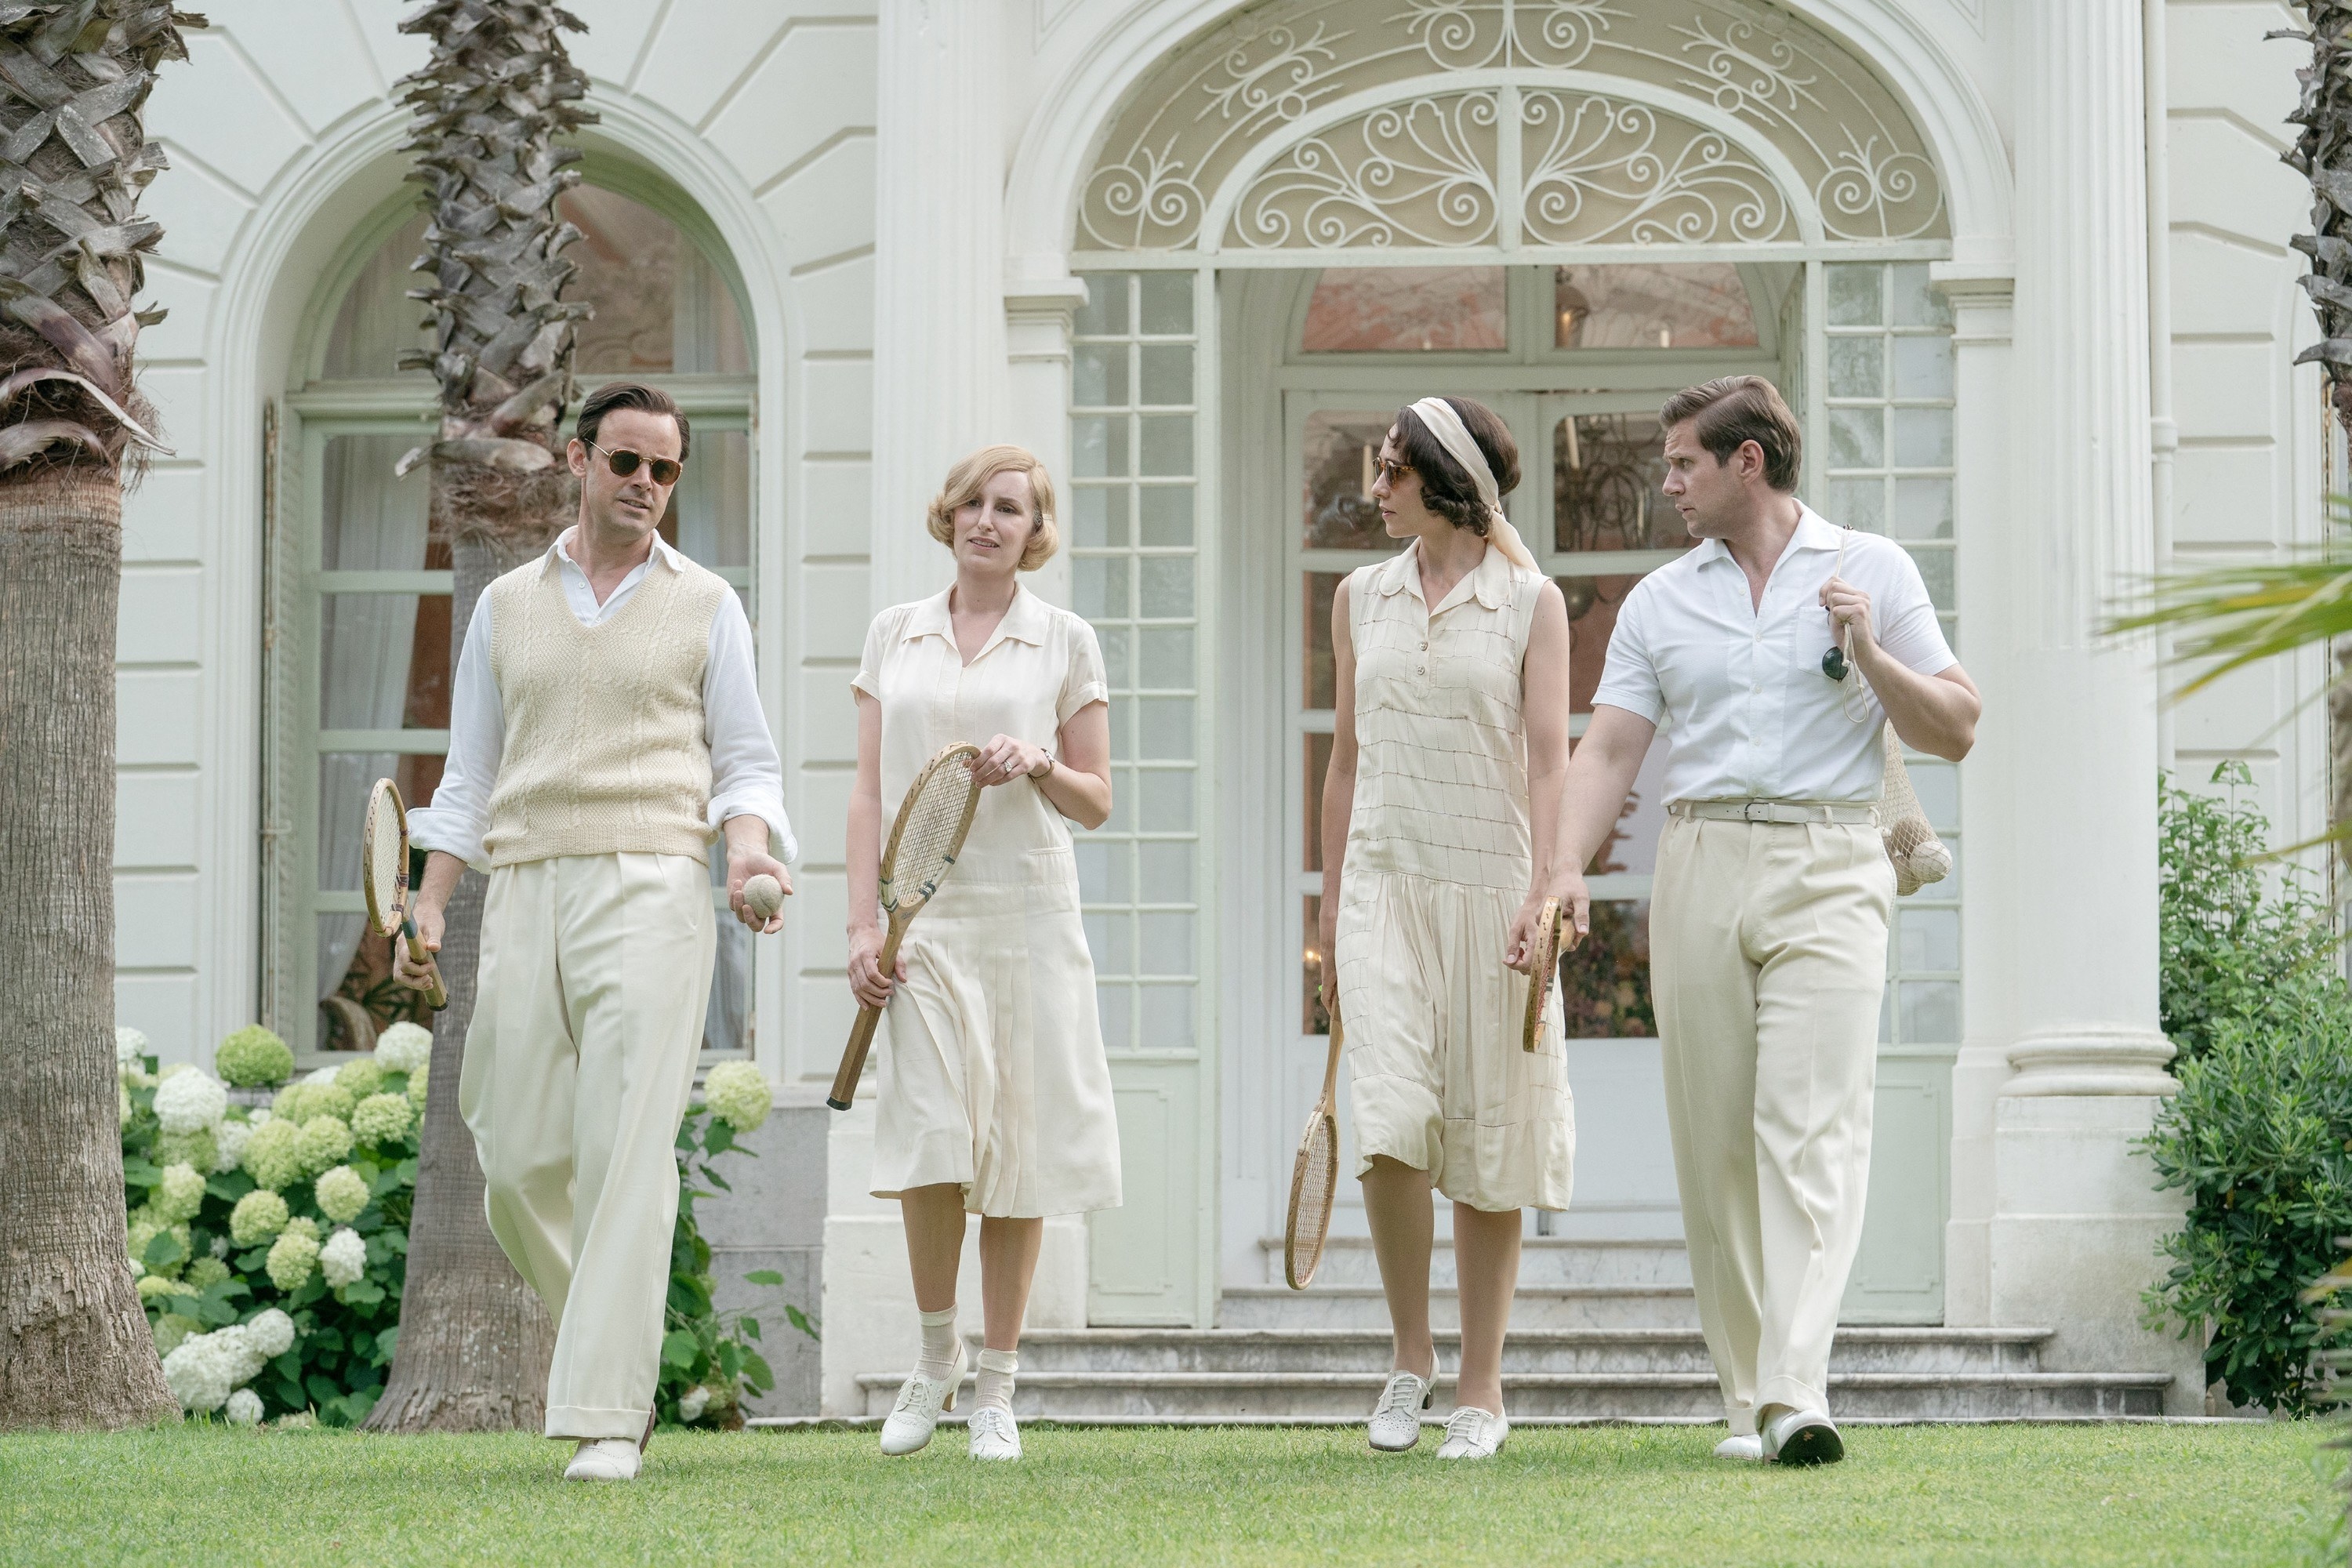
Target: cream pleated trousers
<point>1767,956</point>
<point>595,973</point>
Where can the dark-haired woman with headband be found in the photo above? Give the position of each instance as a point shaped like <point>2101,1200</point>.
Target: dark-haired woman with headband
<point>1439,816</point>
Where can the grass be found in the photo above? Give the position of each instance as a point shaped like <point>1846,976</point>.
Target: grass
<point>2073,1495</point>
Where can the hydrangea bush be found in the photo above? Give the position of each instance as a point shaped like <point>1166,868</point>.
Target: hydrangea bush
<point>270,1244</point>
<point>710,1361</point>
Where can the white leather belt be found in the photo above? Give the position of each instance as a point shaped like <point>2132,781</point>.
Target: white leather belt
<point>1775,811</point>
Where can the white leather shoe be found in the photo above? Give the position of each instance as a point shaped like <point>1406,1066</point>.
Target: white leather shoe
<point>1396,1419</point>
<point>1749,1447</point>
<point>993,1434</point>
<point>920,1400</point>
<point>1473,1434</point>
<point>1802,1438</point>
<point>603,1459</point>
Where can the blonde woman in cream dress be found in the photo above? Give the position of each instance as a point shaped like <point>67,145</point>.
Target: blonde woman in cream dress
<point>994,1095</point>
<point>1439,816</point>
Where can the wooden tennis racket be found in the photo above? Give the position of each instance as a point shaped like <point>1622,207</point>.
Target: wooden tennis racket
<point>1315,1175</point>
<point>1543,972</point>
<point>924,844</point>
<point>384,874</point>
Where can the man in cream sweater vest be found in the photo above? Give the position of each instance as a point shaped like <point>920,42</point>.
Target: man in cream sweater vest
<point>604,729</point>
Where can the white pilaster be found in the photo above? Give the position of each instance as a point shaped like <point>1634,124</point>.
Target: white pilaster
<point>2073,865</point>
<point>938,295</point>
<point>1037,315</point>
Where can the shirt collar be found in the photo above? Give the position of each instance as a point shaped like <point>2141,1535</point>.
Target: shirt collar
<point>1814,531</point>
<point>558,554</point>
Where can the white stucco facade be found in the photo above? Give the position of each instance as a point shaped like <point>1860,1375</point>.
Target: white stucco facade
<point>900,189</point>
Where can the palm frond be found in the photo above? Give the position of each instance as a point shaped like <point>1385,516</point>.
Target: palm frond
<point>2227,617</point>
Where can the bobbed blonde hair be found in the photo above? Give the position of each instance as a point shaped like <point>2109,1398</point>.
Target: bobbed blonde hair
<point>970,477</point>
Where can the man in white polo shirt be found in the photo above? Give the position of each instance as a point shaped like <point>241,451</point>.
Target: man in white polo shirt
<point>1769,911</point>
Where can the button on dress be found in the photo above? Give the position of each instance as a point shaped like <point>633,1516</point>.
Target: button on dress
<point>991,1066</point>
<point>1439,859</point>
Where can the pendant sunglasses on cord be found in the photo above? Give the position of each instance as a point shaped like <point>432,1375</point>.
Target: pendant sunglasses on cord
<point>624,462</point>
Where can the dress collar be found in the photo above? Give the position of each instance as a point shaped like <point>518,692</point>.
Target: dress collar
<point>1489,581</point>
<point>1027,619</point>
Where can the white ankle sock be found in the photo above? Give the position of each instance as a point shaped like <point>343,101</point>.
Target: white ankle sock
<point>938,1359</point>
<point>996,1382</point>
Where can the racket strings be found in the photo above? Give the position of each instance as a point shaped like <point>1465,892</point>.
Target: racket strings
<point>932,833</point>
<point>385,870</point>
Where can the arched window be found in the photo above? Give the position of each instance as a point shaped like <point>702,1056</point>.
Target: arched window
<point>357,655</point>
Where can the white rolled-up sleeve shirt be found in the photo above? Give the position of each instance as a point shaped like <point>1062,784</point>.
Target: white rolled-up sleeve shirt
<point>1736,686</point>
<point>747,777</point>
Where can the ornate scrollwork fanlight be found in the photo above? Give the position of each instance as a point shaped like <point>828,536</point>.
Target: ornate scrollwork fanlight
<point>1340,124</point>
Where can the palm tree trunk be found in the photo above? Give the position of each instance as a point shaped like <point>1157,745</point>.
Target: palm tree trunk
<point>75,1350</point>
<point>474,1340</point>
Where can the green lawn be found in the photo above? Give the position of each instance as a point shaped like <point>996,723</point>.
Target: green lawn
<point>2073,1495</point>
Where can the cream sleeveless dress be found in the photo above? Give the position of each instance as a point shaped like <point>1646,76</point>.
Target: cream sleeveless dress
<point>1438,861</point>
<point>991,1066</point>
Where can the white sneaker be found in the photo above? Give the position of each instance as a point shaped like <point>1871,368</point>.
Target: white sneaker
<point>1749,1447</point>
<point>1802,1438</point>
<point>920,1400</point>
<point>602,1459</point>
<point>1473,1434</point>
<point>1396,1419</point>
<point>993,1434</point>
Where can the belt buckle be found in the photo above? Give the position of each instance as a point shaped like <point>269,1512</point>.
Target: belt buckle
<point>1756,811</point>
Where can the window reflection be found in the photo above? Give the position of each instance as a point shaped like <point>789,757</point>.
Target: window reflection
<point>1406,310</point>
<point>1604,984</point>
<point>1342,458</point>
<point>1606,473</point>
<point>1672,305</point>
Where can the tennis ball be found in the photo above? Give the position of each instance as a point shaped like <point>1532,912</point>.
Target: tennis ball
<point>764,896</point>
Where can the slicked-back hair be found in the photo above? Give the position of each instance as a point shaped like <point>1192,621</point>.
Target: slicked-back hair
<point>1727,413</point>
<point>635,395</point>
<point>1446,487</point>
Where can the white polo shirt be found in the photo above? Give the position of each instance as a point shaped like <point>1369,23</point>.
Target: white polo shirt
<point>1738,690</point>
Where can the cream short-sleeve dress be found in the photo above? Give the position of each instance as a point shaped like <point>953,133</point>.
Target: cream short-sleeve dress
<point>991,1072</point>
<point>1438,861</point>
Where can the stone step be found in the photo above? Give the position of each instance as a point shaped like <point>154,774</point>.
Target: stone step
<point>1281,1352</point>
<point>1327,1307</point>
<point>1345,1397</point>
<point>1543,1260</point>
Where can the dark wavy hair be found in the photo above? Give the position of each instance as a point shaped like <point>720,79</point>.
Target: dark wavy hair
<point>634,395</point>
<point>1446,487</point>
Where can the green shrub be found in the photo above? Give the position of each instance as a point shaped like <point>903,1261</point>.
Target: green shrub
<point>2232,928</point>
<point>2259,1137</point>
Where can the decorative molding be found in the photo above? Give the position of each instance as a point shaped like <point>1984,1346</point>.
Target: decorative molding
<point>2093,1059</point>
<point>1442,161</point>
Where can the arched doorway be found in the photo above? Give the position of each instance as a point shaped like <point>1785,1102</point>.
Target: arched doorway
<point>356,639</point>
<point>1337,205</point>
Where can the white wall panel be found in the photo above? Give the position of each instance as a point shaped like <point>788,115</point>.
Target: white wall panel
<point>155,918</point>
<point>200,214</point>
<point>217,108</point>
<point>817,83</point>
<point>828,717</point>
<point>162,616</point>
<point>826,207</point>
<point>837,405</point>
<point>837,306</point>
<point>315,62</point>
<point>2227,495</point>
<point>158,716</point>
<point>836,495</point>
<point>163,519</point>
<point>155,822</point>
<point>2232,390</point>
<point>833,617</point>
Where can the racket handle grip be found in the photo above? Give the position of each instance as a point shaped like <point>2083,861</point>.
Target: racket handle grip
<point>436,995</point>
<point>861,1035</point>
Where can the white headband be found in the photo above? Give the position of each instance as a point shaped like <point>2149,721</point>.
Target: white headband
<point>1438,417</point>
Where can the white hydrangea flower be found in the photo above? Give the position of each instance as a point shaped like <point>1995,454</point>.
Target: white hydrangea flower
<point>228,1142</point>
<point>259,1115</point>
<point>188,1100</point>
<point>343,1260</point>
<point>130,1048</point>
<point>291,1257</point>
<point>324,1074</point>
<point>244,1408</point>
<point>737,1093</point>
<point>197,1372</point>
<point>404,1048</point>
<point>341,1193</point>
<point>180,1193</point>
<point>175,1071</point>
<point>692,1403</point>
<point>271,1333</point>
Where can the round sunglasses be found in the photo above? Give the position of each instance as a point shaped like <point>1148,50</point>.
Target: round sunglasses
<point>624,462</point>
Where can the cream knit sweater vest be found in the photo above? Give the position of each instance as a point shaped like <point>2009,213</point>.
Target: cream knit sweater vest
<point>605,748</point>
